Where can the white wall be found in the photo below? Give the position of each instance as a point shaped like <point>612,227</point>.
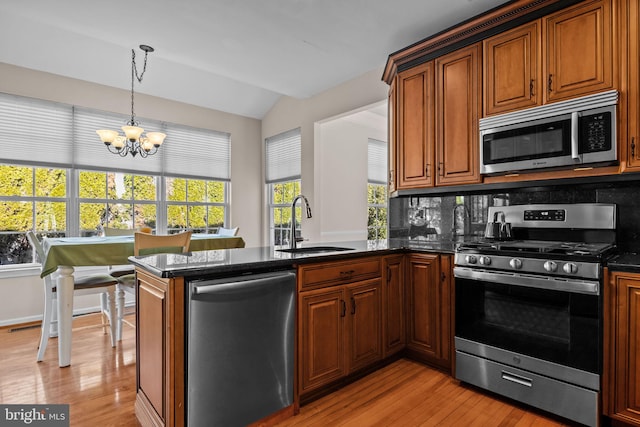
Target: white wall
<point>341,166</point>
<point>21,297</point>
<point>290,113</point>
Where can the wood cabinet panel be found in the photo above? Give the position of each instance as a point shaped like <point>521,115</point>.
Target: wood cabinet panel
<point>332,273</point>
<point>578,50</point>
<point>458,95</point>
<point>422,294</point>
<point>151,377</point>
<point>321,337</point>
<point>513,70</point>
<point>415,127</point>
<point>160,348</point>
<point>429,309</point>
<point>392,137</point>
<point>631,144</point>
<point>621,380</point>
<point>365,323</point>
<point>393,301</point>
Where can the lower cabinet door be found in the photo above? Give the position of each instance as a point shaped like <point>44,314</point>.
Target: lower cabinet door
<point>365,323</point>
<point>321,337</point>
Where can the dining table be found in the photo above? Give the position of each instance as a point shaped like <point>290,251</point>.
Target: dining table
<point>62,254</point>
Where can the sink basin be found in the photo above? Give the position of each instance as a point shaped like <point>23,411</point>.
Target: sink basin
<point>315,249</point>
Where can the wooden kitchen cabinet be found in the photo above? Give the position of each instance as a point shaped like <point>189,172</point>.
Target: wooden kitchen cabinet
<point>415,142</point>
<point>340,325</point>
<point>458,95</point>
<point>564,55</point>
<point>392,143</point>
<point>159,350</point>
<point>621,382</point>
<point>513,70</point>
<point>429,313</point>
<point>321,337</point>
<point>393,301</point>
<point>578,56</point>
<point>631,146</point>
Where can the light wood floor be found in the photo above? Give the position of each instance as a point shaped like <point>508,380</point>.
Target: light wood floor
<point>100,388</point>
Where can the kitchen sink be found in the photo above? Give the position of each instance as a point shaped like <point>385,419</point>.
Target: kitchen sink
<point>315,249</point>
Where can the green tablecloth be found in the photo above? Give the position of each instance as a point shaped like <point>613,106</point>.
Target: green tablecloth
<point>114,250</point>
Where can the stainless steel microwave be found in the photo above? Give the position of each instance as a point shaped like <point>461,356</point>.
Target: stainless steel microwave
<point>580,132</point>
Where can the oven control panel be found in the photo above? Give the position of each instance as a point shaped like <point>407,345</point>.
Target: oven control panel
<point>545,215</point>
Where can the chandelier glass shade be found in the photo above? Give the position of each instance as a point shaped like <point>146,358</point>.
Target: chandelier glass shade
<point>134,141</point>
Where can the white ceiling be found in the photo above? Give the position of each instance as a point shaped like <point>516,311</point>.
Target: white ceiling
<point>237,56</point>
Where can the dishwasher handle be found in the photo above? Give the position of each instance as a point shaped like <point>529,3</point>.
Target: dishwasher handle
<point>239,285</point>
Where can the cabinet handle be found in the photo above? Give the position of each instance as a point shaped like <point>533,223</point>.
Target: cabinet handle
<point>443,277</point>
<point>441,169</point>
<point>531,94</point>
<point>550,83</point>
<point>344,308</point>
<point>633,148</point>
<point>346,274</point>
<point>426,170</point>
<point>353,305</point>
<point>388,274</point>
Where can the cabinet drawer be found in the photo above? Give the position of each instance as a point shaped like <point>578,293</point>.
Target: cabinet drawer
<point>331,273</point>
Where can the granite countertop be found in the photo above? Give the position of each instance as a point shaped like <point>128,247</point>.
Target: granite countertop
<point>628,261</point>
<point>268,258</point>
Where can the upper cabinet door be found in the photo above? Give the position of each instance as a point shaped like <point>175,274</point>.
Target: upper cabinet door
<point>578,50</point>
<point>513,70</point>
<point>391,135</point>
<point>415,128</point>
<point>458,92</point>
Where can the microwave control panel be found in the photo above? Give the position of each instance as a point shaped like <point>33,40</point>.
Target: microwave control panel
<point>594,129</point>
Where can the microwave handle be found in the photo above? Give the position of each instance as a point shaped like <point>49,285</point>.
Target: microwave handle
<point>575,147</point>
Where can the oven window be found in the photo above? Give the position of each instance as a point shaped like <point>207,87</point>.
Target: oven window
<point>559,327</point>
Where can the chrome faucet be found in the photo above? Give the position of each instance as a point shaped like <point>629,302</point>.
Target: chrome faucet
<point>293,239</point>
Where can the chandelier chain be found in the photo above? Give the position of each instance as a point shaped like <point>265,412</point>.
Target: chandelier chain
<point>134,74</point>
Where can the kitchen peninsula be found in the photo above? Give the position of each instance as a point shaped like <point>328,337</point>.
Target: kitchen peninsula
<point>368,277</point>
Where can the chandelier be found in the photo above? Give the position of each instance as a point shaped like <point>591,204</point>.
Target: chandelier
<point>133,142</point>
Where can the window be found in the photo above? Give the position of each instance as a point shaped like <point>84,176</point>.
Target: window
<point>31,198</point>
<point>116,200</point>
<point>68,184</point>
<point>377,190</point>
<point>283,173</point>
<point>195,204</point>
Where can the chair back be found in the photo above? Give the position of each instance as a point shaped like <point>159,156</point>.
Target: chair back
<point>36,245</point>
<point>144,243</point>
<point>228,231</point>
<point>109,231</point>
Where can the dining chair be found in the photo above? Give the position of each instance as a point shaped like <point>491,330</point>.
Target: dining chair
<point>146,244</point>
<point>102,284</point>
<point>228,231</point>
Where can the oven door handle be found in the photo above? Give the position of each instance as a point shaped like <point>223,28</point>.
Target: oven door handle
<point>528,280</point>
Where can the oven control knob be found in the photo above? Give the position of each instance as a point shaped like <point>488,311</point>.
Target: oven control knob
<point>470,259</point>
<point>550,266</point>
<point>570,268</point>
<point>485,260</point>
<point>516,263</point>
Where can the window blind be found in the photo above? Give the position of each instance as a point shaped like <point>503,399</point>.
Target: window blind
<point>377,161</point>
<point>91,153</point>
<point>197,152</point>
<point>35,131</point>
<point>283,157</point>
<point>45,132</point>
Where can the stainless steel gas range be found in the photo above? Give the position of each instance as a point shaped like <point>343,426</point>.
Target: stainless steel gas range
<point>529,310</point>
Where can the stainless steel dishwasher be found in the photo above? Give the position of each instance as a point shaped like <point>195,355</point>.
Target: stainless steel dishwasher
<point>240,348</point>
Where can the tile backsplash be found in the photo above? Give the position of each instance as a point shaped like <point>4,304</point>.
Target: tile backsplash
<point>432,217</point>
